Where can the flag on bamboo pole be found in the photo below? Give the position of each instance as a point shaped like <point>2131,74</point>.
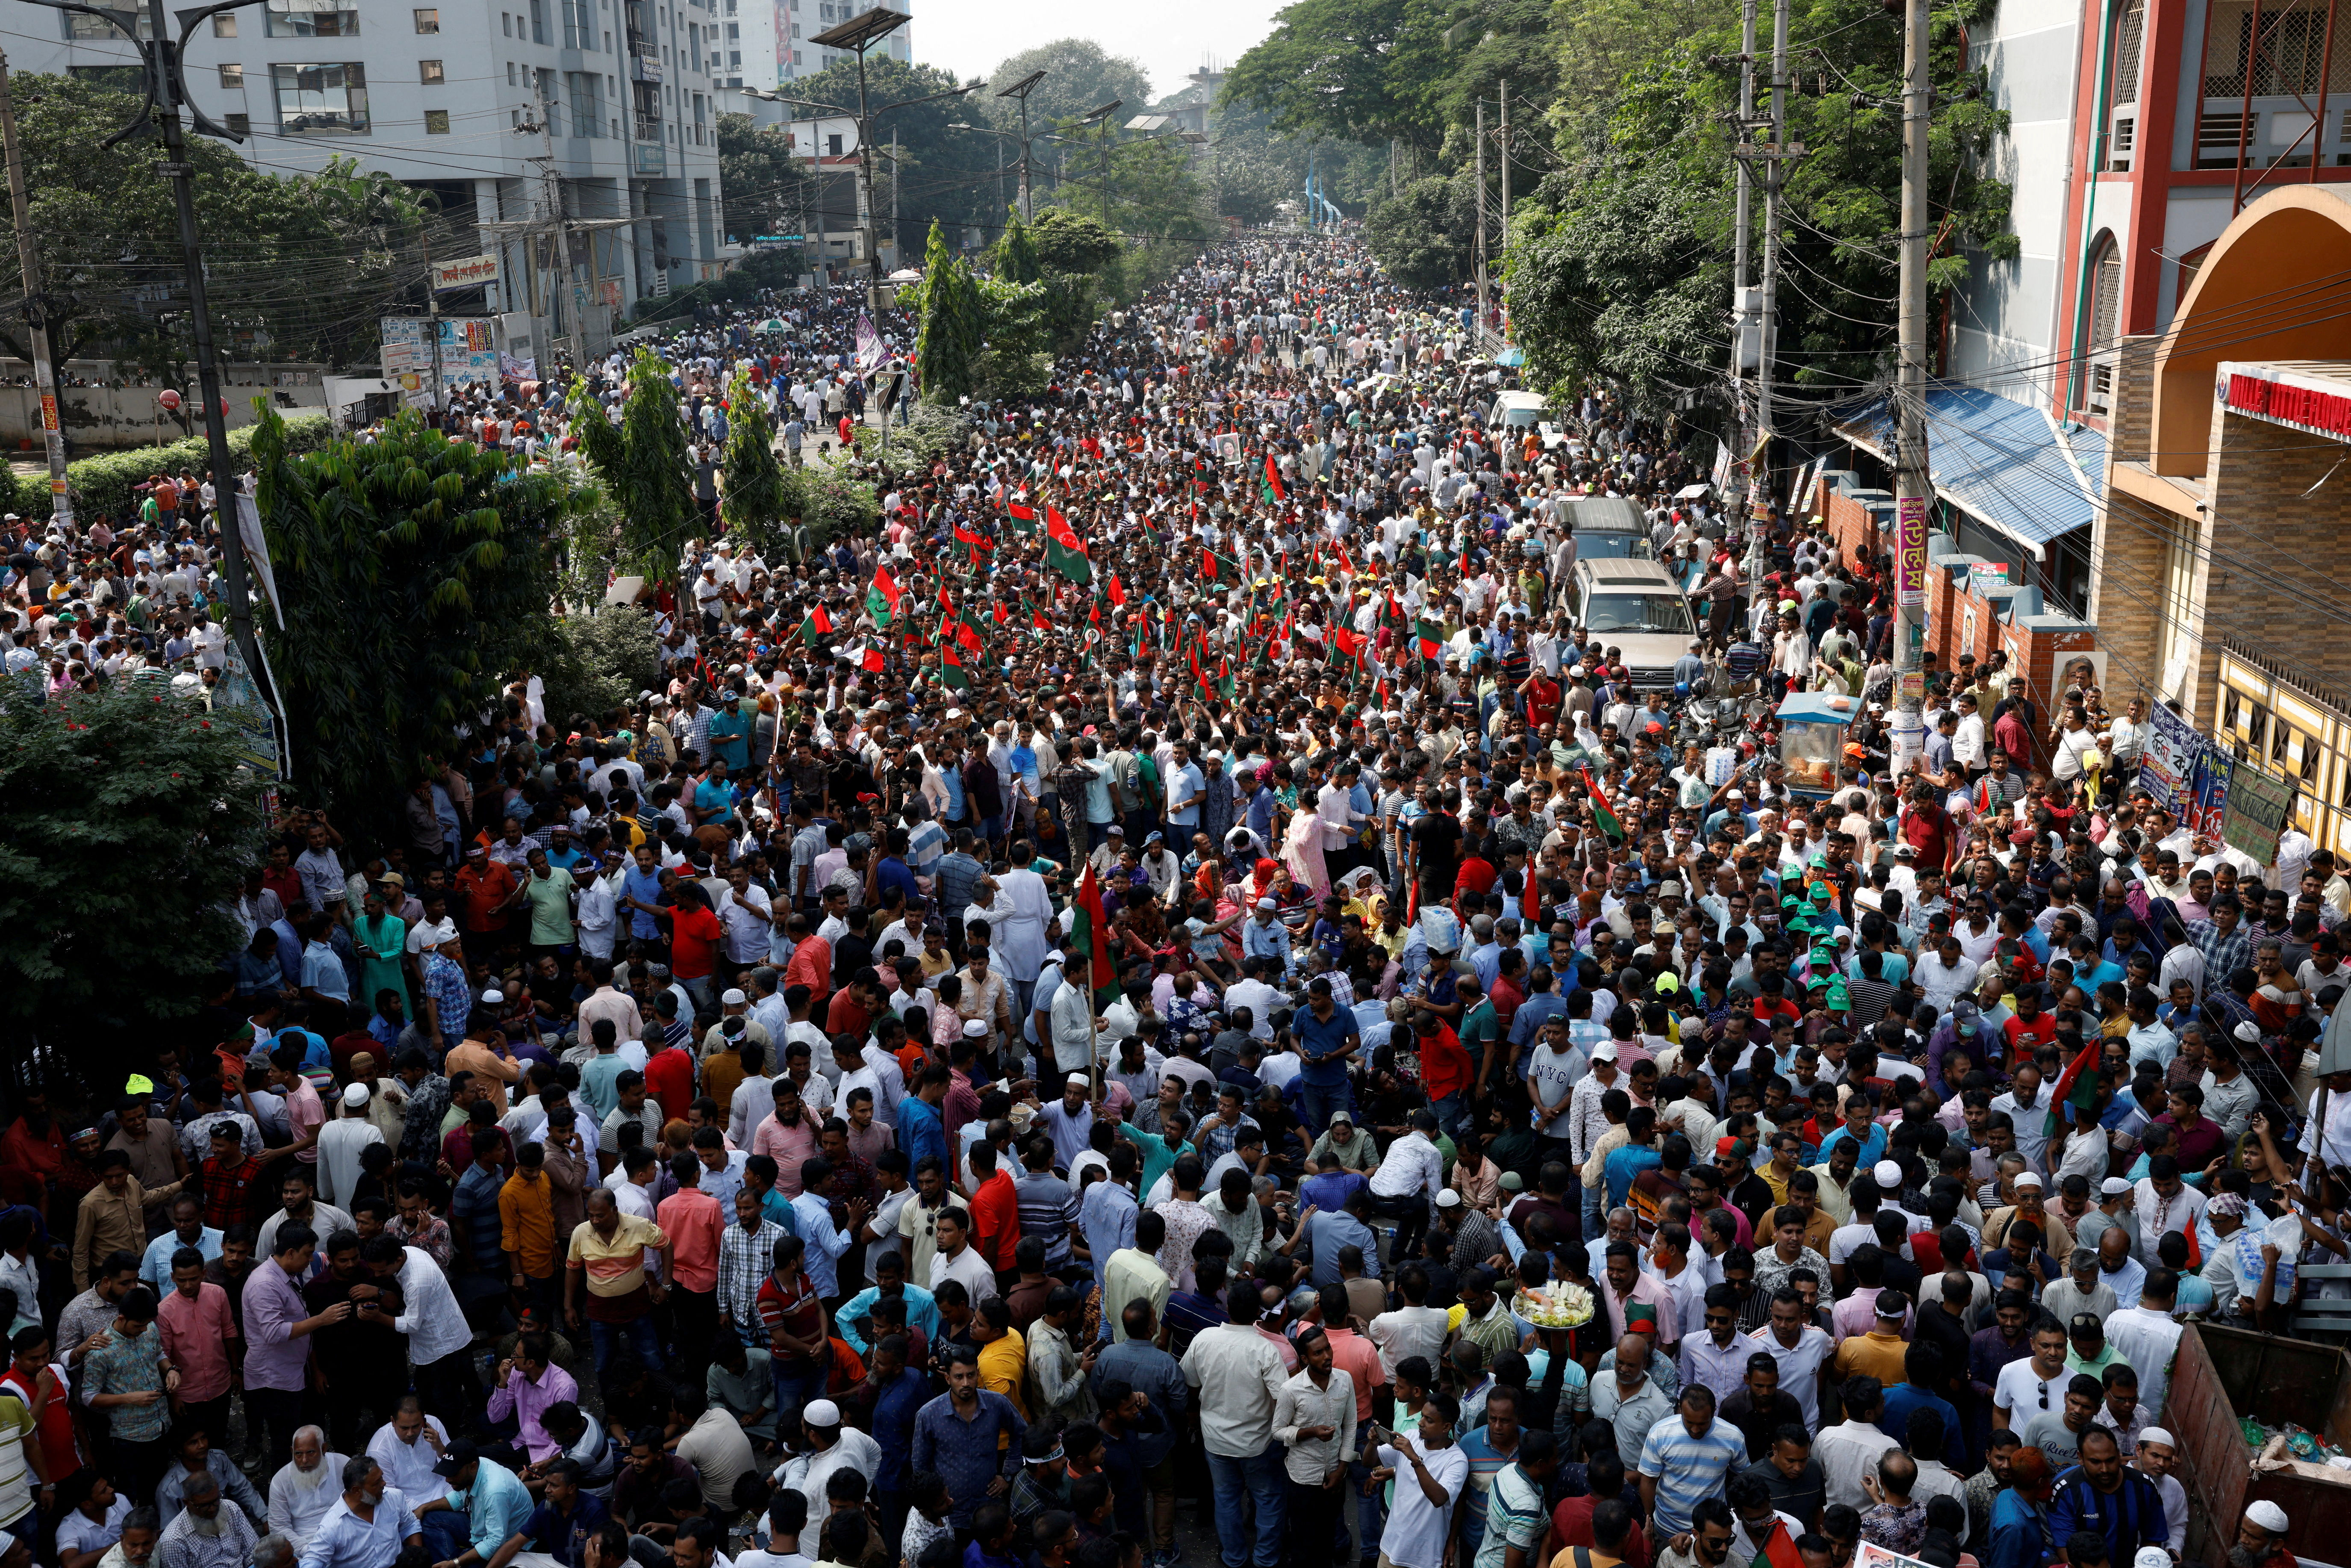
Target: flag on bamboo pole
<point>1270,485</point>
<point>977,540</point>
<point>951,668</point>
<point>818,626</point>
<point>1117,592</point>
<point>1023,519</point>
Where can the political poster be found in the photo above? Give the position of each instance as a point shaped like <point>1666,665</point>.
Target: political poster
<point>2167,769</point>
<point>2255,813</point>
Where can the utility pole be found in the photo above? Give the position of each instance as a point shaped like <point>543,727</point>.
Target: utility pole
<point>1481,210</point>
<point>1775,176</point>
<point>1913,482</point>
<point>1502,150</point>
<point>432,320</point>
<point>897,235</point>
<point>1740,511</point>
<point>36,317</point>
<point>1021,91</point>
<point>163,75</point>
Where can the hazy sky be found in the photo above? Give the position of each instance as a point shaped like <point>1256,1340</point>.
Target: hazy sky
<point>1171,40</point>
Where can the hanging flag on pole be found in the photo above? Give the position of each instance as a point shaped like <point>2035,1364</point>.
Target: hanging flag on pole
<point>1090,933</point>
<point>1602,814</point>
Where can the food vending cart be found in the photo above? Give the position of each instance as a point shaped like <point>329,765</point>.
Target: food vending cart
<point>1813,729</point>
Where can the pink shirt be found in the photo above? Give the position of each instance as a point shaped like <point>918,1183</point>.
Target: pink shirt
<point>788,1148</point>
<point>195,1336</point>
<point>305,1114</point>
<point>691,1220</point>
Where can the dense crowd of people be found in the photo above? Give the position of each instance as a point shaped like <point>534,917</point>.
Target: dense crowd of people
<point>1178,974</point>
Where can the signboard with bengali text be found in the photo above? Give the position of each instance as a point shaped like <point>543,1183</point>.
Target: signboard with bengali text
<point>1910,552</point>
<point>2256,811</point>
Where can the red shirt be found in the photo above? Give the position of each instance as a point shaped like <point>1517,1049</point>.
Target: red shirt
<point>55,1430</point>
<point>694,936</point>
<point>284,882</point>
<point>1571,1525</point>
<point>2040,1031</point>
<point>485,892</point>
<point>1444,1064</point>
<point>1542,702</point>
<point>669,1078</point>
<point>996,1220</point>
<point>1478,875</point>
<point>1926,828</point>
<point>845,1016</point>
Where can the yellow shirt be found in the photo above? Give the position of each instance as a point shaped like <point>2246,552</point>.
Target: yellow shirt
<point>1004,1368</point>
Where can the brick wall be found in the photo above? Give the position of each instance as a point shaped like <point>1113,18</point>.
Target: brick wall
<point>2275,533</point>
<point>1860,520</point>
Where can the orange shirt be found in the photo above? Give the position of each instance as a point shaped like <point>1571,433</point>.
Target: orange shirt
<point>812,966</point>
<point>691,1220</point>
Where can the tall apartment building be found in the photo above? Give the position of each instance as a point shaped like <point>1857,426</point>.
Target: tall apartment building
<point>767,41</point>
<point>601,112</point>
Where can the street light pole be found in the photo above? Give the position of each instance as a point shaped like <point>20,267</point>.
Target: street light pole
<point>1021,91</point>
<point>857,35</point>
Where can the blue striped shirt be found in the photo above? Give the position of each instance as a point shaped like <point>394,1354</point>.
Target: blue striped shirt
<point>1688,1470</point>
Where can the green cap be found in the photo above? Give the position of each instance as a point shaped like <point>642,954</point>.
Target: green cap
<point>1840,1000</point>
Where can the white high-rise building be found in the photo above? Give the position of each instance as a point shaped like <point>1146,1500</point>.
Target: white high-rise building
<point>585,110</point>
<point>767,41</point>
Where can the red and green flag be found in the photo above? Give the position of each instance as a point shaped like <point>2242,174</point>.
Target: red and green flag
<point>951,668</point>
<point>816,627</point>
<point>1431,639</point>
<point>1064,552</point>
<point>2076,1086</point>
<point>978,543</point>
<point>1024,518</point>
<point>1117,592</point>
<point>1779,1550</point>
<point>882,598</point>
<point>1090,930</point>
<point>1603,815</point>
<point>1272,484</point>
<point>870,659</point>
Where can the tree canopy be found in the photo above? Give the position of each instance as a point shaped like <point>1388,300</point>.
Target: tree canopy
<point>307,263</point>
<point>759,182</point>
<point>130,823</point>
<point>1080,76</point>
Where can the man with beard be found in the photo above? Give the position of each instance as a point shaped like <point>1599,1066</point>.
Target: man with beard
<point>301,1493</point>
<point>206,1533</point>
<point>367,1526</point>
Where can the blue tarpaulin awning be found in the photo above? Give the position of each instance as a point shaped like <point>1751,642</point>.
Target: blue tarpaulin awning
<point>2008,465</point>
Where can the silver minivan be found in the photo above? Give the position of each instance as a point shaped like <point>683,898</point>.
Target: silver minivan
<point>1637,606</point>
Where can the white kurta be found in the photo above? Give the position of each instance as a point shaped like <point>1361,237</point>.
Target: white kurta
<point>1019,941</point>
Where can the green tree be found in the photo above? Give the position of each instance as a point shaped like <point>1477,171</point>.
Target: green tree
<point>1620,263</point>
<point>1361,70</point>
<point>643,465</point>
<point>758,180</point>
<point>130,823</point>
<point>307,264</point>
<point>595,661</point>
<point>752,504</point>
<point>1079,76</point>
<point>1075,242</point>
<point>1014,258</point>
<point>415,573</point>
<point>1427,236</point>
<point>953,328</point>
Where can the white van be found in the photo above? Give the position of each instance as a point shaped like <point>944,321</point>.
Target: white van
<point>1637,606</point>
